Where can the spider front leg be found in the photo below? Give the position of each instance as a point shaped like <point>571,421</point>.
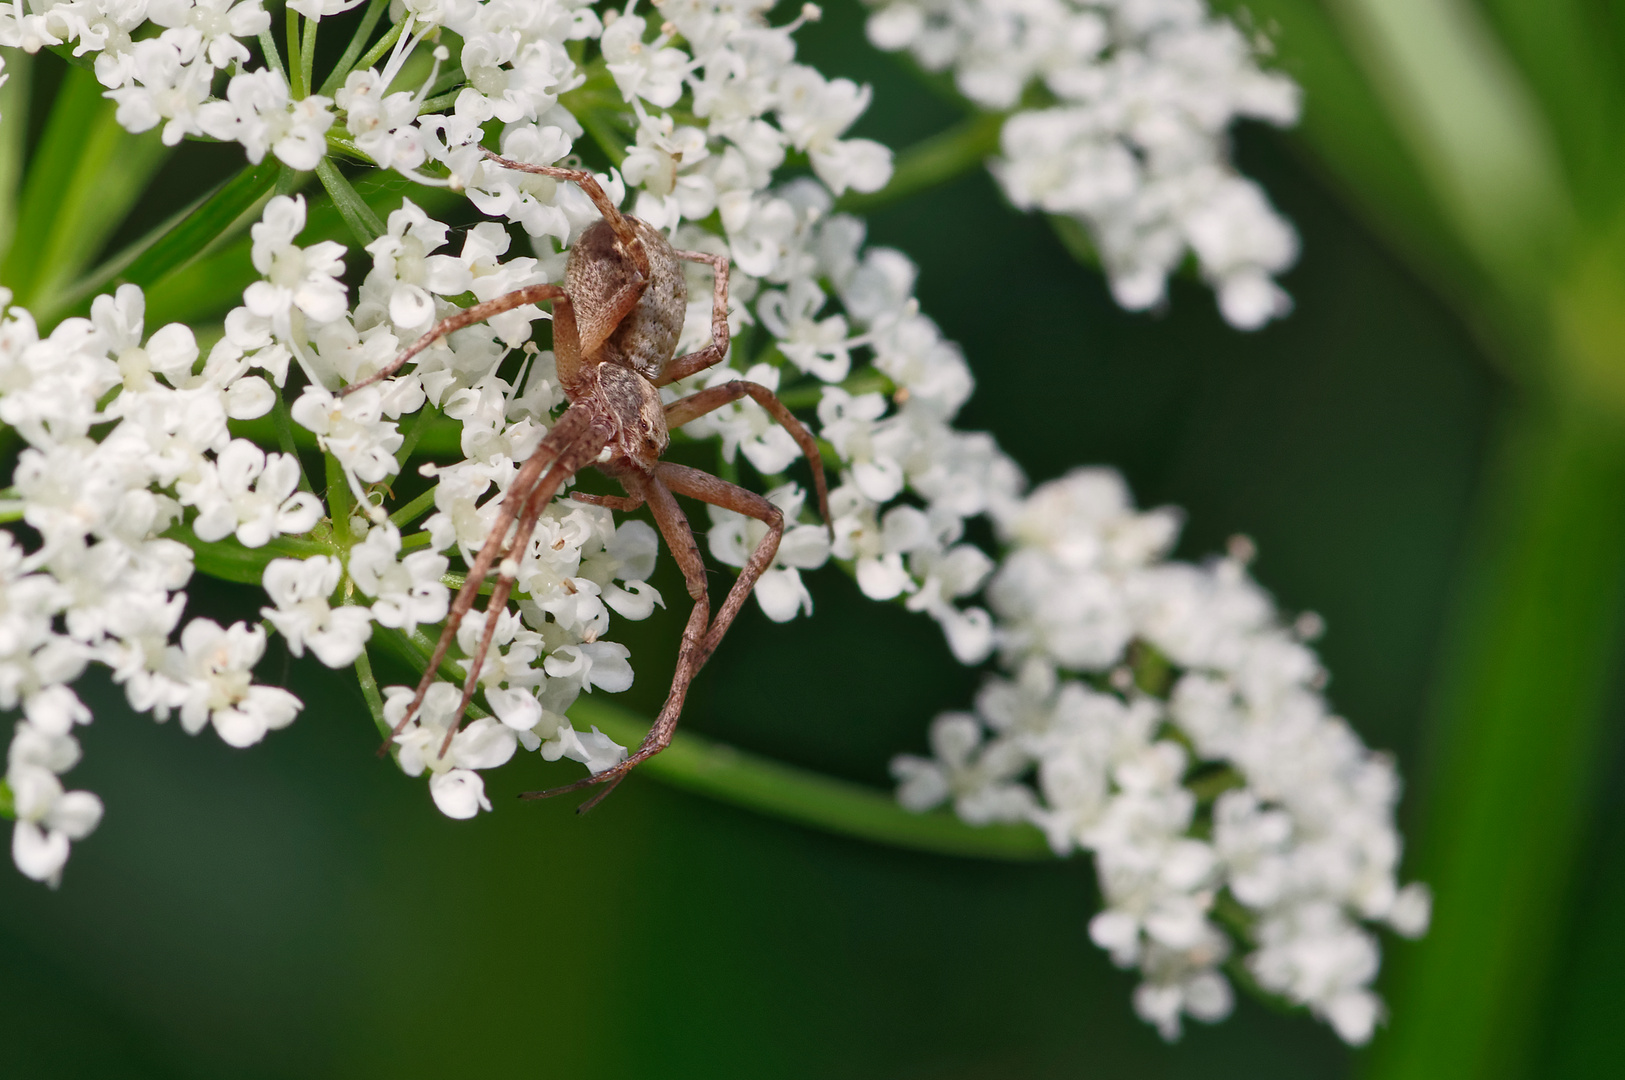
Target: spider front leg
<point>698,404</point>
<point>589,185</point>
<point>699,640</point>
<point>530,294</point>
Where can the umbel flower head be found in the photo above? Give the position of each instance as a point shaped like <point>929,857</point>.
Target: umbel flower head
<point>1161,716</point>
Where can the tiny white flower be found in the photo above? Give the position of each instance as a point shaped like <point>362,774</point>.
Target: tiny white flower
<point>300,589</point>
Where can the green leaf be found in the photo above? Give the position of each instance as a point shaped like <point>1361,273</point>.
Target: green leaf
<point>191,234</point>
<point>1566,53</point>
<point>86,174</point>
<point>1519,738</point>
<point>1349,130</point>
<point>8,801</point>
<point>1473,128</point>
<point>14,100</point>
<point>718,771</point>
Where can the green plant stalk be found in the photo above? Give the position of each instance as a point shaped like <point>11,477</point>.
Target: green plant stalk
<point>1471,125</point>
<point>229,560</point>
<point>1518,738</point>
<point>718,771</point>
<point>296,60</point>
<point>273,59</point>
<point>283,420</point>
<point>364,225</point>
<point>352,51</point>
<point>383,46</point>
<point>307,55</point>
<point>369,691</point>
<point>943,157</point>
<point>426,418</point>
<point>413,510</point>
<point>340,502</point>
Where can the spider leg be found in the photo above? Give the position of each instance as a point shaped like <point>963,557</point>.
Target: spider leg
<point>530,294</point>
<point>699,641</point>
<point>680,539</point>
<point>589,185</point>
<point>718,492</point>
<point>570,460</point>
<point>698,404</point>
<point>623,504</point>
<point>684,366</point>
<point>571,428</point>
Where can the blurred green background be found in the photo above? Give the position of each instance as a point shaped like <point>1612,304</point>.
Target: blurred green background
<point>301,909</point>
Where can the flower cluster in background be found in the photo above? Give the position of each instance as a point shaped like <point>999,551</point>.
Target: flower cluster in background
<point>1119,118</point>
<point>131,468</point>
<point>1163,717</point>
<point>104,584</point>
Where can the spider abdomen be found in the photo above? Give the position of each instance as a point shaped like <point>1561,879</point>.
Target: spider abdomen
<point>646,339</point>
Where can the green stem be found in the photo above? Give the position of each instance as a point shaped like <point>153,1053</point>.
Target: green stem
<point>340,501</point>
<point>284,437</point>
<point>230,561</point>
<point>425,419</point>
<point>273,59</point>
<point>439,102</point>
<point>352,51</point>
<point>413,510</point>
<point>363,223</point>
<point>925,165</point>
<point>385,43</point>
<point>718,771</point>
<point>863,381</point>
<point>1519,738</point>
<point>369,691</point>
<point>296,58</point>
<point>307,56</point>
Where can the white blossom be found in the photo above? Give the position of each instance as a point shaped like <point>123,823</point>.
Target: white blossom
<point>301,589</point>
<point>1136,149</point>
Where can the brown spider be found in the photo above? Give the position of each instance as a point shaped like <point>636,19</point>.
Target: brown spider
<point>616,321</point>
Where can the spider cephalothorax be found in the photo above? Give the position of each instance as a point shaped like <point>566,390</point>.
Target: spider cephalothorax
<point>616,322</point>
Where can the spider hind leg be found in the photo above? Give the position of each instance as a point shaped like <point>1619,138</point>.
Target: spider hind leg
<point>702,634</point>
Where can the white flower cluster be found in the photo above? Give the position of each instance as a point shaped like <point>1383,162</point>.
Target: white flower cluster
<point>104,584</point>
<point>516,60</point>
<point>579,565</point>
<point>127,441</point>
<point>1231,788</point>
<point>1131,140</point>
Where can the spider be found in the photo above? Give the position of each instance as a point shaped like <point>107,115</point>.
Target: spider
<point>616,320</point>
